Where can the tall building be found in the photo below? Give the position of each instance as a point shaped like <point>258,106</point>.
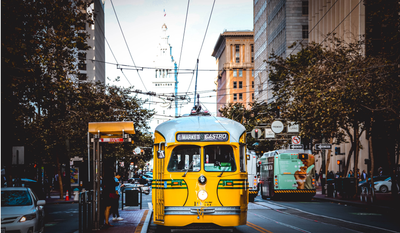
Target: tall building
<point>91,70</point>
<point>234,52</point>
<point>164,82</point>
<point>277,25</point>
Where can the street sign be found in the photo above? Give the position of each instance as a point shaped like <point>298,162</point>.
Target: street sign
<point>277,126</point>
<point>292,147</point>
<point>256,133</point>
<point>292,127</point>
<point>296,140</point>
<point>321,146</point>
<point>111,140</point>
<point>137,150</point>
<point>269,133</point>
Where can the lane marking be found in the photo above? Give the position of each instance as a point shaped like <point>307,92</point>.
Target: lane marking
<point>355,223</point>
<point>283,224</point>
<point>258,228</point>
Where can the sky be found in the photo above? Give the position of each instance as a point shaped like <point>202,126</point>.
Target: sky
<point>141,22</point>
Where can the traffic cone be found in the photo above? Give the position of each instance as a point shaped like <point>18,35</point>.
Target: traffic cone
<point>66,196</point>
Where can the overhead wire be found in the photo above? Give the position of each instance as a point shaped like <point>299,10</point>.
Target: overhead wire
<point>109,46</point>
<point>127,44</point>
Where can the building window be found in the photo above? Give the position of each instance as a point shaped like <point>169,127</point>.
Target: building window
<point>304,6</point>
<point>240,85</point>
<point>237,49</point>
<point>234,73</point>
<point>252,84</point>
<point>240,73</point>
<point>252,73</point>
<point>235,97</point>
<point>305,31</point>
<point>82,77</point>
<point>252,96</point>
<point>240,96</point>
<point>252,53</point>
<point>234,85</point>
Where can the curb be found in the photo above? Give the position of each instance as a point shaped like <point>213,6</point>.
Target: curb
<point>148,217</point>
<point>358,204</point>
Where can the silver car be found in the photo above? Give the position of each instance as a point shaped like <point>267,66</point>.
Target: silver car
<point>21,210</point>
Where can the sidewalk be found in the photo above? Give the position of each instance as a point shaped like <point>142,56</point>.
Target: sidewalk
<point>136,220</point>
<point>383,201</point>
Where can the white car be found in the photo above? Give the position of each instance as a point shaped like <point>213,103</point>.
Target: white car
<point>384,186</point>
<point>21,210</point>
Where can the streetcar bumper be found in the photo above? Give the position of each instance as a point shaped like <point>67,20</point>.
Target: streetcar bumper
<point>221,216</point>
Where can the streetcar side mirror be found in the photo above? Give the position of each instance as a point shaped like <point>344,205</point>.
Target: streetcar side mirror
<point>160,154</point>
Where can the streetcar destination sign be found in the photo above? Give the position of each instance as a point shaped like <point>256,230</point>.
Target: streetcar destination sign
<point>320,146</point>
<point>202,137</point>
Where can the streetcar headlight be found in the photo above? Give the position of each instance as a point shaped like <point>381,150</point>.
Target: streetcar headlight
<point>202,195</point>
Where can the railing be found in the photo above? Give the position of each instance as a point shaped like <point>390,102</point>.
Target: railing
<point>85,211</point>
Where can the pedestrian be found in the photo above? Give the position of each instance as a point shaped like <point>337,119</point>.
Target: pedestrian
<point>364,175</point>
<point>317,178</point>
<point>350,174</point>
<point>108,195</point>
<point>380,171</point>
<point>115,205</point>
<point>337,175</point>
<point>47,186</point>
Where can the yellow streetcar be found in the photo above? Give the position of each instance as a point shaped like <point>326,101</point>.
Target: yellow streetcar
<point>200,172</point>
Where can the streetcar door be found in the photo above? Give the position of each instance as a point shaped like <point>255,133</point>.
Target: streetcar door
<point>158,189</point>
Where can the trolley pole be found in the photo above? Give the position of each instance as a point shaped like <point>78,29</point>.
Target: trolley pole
<point>195,86</point>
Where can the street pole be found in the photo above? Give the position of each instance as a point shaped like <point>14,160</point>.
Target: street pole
<point>323,180</point>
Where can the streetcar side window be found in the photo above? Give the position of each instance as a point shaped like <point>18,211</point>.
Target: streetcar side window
<point>219,158</point>
<point>242,159</point>
<point>184,158</point>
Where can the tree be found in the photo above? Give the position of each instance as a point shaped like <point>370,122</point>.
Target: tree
<point>327,89</point>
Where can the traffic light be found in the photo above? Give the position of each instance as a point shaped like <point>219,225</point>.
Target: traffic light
<point>337,151</point>
<point>339,162</point>
<point>303,156</point>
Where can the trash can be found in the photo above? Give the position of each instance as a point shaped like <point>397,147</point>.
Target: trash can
<point>131,197</point>
<point>76,194</point>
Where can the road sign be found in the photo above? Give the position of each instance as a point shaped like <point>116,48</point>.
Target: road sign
<point>296,140</point>
<point>292,127</point>
<point>269,133</point>
<point>137,150</point>
<point>277,126</point>
<point>321,146</point>
<point>256,133</point>
<point>292,147</point>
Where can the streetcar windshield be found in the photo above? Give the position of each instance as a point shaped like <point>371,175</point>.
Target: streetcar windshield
<point>184,158</point>
<point>219,158</point>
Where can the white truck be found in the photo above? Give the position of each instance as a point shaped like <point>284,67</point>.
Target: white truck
<point>252,174</point>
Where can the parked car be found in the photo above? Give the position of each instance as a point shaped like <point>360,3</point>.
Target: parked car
<point>384,186</point>
<point>145,188</point>
<point>148,177</point>
<point>364,184</point>
<point>21,210</point>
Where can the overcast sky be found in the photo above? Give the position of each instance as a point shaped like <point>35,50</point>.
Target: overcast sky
<point>141,22</point>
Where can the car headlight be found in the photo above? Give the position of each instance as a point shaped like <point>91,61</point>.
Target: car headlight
<point>27,217</point>
<point>202,195</point>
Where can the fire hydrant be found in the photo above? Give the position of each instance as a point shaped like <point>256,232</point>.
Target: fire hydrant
<point>76,194</point>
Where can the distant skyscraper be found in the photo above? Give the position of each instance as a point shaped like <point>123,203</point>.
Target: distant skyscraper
<point>91,70</point>
<point>277,24</point>
<point>164,82</point>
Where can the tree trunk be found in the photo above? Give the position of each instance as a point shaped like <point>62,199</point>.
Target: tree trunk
<point>356,153</point>
<point>60,183</point>
<point>346,165</point>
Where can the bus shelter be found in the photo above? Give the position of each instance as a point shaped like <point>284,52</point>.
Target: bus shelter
<point>98,133</point>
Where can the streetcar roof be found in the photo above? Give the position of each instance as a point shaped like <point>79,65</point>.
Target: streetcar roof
<point>200,124</point>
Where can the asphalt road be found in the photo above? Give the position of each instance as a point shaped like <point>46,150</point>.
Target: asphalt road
<point>266,216</point>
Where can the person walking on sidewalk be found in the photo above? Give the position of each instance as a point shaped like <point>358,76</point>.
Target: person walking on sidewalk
<point>115,205</point>
<point>108,195</point>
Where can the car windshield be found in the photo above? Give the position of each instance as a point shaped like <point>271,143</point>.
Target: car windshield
<point>219,158</point>
<point>15,198</point>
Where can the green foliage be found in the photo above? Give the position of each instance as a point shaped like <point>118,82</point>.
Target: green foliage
<point>48,111</point>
